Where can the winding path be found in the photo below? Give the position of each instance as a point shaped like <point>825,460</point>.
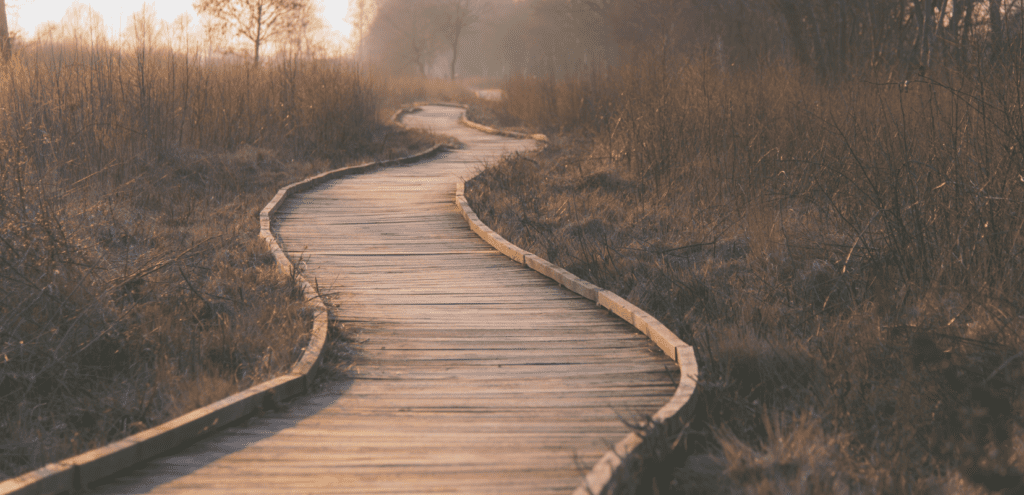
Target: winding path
<point>473,374</point>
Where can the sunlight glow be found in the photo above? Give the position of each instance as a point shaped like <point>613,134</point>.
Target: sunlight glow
<point>25,16</point>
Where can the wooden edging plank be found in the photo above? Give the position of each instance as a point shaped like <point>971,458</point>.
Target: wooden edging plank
<point>78,472</point>
<point>472,125</point>
<point>599,477</point>
<point>490,130</point>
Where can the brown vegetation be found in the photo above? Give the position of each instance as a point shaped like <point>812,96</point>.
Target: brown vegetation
<point>845,256</point>
<point>133,285</point>
<point>824,197</point>
<point>397,91</point>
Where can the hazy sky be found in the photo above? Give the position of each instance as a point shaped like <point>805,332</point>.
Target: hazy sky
<point>27,14</point>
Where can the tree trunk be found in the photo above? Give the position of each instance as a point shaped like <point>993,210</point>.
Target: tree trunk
<point>965,30</point>
<point>5,38</point>
<point>455,56</point>
<point>995,19</point>
<point>259,36</point>
<point>794,22</point>
<point>457,24</point>
<point>927,24</point>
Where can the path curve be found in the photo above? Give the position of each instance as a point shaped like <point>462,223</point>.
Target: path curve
<point>473,374</point>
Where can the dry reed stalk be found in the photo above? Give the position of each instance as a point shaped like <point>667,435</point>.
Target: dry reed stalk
<point>845,258</point>
<point>133,286</point>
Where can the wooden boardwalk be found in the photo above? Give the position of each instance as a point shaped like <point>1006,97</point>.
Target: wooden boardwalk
<point>473,374</point>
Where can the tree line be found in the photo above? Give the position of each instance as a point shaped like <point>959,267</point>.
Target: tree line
<point>499,38</point>
<point>557,37</point>
<point>423,36</point>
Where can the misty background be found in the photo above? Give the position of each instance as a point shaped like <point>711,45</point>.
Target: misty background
<point>555,38</point>
<point>558,38</point>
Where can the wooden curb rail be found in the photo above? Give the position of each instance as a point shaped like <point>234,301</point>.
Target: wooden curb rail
<point>601,475</point>
<point>78,472</point>
<point>490,130</point>
<point>469,123</point>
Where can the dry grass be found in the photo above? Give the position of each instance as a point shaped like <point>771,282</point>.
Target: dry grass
<point>846,259</point>
<point>404,90</point>
<point>133,286</point>
<point>399,90</point>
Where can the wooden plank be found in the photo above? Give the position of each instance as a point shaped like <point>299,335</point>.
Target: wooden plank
<point>471,374</point>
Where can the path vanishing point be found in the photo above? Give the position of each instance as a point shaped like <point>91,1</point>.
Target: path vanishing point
<point>472,373</point>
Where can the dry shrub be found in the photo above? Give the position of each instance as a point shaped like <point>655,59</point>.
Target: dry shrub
<point>402,90</point>
<point>845,257</point>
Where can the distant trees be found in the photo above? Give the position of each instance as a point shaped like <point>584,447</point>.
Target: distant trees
<point>455,17</point>
<point>305,36</point>
<point>555,38</point>
<point>258,21</point>
<point>416,33</point>
<point>832,36</point>
<point>483,37</point>
<point>403,36</point>
<point>829,38</point>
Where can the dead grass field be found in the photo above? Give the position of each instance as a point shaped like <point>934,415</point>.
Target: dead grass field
<point>846,259</point>
<point>133,285</point>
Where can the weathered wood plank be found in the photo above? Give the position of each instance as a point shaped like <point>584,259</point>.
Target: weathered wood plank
<point>472,374</point>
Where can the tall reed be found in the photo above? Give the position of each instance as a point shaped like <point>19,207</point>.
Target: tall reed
<point>845,257</point>
<point>133,286</point>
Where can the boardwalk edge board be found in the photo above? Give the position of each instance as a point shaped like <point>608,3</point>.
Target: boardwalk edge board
<point>78,472</point>
<point>469,123</point>
<point>600,476</point>
<point>490,130</point>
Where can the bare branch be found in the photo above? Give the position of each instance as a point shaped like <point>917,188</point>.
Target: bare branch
<point>259,21</point>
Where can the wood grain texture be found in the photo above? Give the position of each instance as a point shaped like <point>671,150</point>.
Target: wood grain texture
<point>472,373</point>
<point>600,479</point>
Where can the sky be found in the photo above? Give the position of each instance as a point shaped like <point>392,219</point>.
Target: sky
<point>26,15</point>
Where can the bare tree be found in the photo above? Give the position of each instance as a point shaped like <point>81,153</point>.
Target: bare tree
<point>258,21</point>
<point>5,36</point>
<point>403,34</point>
<point>305,36</point>
<point>455,18</point>
<point>551,38</point>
